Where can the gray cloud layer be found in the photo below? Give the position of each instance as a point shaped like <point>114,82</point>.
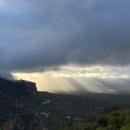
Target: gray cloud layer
<point>46,33</point>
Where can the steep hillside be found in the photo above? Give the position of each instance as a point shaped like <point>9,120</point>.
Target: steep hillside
<point>17,109</point>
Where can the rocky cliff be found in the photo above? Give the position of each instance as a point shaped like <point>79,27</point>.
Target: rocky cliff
<point>17,89</point>
<point>17,109</point>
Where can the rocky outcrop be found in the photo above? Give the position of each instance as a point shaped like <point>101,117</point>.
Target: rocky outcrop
<point>18,89</point>
<point>17,109</point>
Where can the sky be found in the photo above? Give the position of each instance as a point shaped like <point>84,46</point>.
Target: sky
<point>65,45</point>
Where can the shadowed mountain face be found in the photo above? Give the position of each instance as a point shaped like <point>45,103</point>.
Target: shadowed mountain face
<point>17,88</point>
<point>17,110</point>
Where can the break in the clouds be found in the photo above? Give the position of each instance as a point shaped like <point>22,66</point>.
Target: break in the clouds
<point>39,34</point>
<point>92,79</point>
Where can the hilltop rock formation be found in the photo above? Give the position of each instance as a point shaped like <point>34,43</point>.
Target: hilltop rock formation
<point>17,89</point>
<point>17,109</point>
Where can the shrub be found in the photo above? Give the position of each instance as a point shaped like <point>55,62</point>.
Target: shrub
<point>115,121</point>
<point>127,127</point>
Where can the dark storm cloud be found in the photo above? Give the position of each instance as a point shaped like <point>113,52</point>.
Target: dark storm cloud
<point>37,34</point>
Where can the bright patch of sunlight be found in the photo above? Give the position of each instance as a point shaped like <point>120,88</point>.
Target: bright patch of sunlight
<point>75,78</point>
<point>46,81</point>
<point>93,72</point>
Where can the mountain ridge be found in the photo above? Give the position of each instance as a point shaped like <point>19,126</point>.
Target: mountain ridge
<point>24,108</point>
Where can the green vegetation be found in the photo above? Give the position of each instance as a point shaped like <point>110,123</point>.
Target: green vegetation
<point>117,119</point>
